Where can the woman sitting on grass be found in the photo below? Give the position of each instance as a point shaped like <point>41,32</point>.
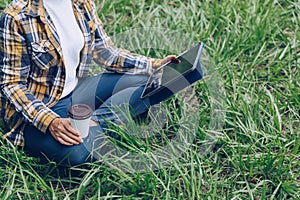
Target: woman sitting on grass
<point>46,49</point>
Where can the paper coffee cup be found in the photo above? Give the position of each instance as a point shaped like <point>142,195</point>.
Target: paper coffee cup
<point>80,115</point>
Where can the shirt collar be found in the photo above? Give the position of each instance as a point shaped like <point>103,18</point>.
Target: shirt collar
<point>78,2</point>
<point>35,8</point>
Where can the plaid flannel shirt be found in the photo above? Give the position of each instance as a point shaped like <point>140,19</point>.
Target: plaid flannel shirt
<point>32,72</point>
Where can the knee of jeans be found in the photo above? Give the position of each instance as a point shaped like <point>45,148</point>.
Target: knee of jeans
<point>144,79</point>
<point>137,80</point>
<point>78,158</point>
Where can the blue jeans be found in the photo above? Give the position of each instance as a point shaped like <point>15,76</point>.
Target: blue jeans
<point>101,92</point>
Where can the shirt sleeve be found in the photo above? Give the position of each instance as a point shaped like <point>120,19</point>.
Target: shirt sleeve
<point>15,66</point>
<point>116,59</point>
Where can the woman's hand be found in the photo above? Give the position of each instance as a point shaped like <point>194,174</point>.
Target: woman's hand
<point>164,61</point>
<point>168,59</point>
<point>62,130</point>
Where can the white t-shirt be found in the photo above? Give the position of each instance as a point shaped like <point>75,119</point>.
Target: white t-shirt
<point>71,38</point>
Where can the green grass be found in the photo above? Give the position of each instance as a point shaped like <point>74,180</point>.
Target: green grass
<point>255,47</point>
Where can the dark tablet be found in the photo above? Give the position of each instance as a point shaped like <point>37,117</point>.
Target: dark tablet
<point>168,73</point>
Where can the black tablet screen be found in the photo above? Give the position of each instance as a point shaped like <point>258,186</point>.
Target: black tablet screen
<point>171,71</point>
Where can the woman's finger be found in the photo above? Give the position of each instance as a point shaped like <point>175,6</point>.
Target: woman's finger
<point>71,129</point>
<point>60,140</point>
<point>68,133</point>
<point>69,138</point>
<point>72,133</point>
<point>63,132</point>
<point>168,58</point>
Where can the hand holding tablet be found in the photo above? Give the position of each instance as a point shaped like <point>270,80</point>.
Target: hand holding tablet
<point>171,73</point>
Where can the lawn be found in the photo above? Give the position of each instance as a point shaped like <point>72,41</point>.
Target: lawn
<point>247,139</point>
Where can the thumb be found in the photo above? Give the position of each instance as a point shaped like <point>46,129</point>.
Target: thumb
<point>168,58</point>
